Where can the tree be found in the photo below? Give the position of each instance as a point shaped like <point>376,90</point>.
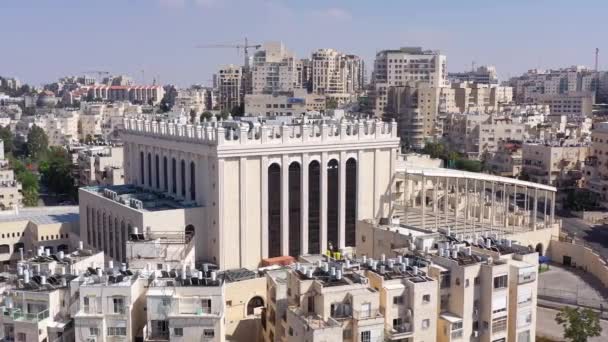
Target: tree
<point>29,182</point>
<point>37,143</point>
<point>434,149</point>
<point>224,114</point>
<point>579,324</point>
<point>192,116</point>
<point>238,110</point>
<point>7,136</point>
<point>331,103</point>
<point>206,116</point>
<point>56,171</point>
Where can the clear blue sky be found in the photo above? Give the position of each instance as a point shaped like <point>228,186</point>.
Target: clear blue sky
<point>45,39</point>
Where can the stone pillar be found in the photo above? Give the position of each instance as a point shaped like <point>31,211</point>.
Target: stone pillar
<point>435,204</point>
<point>242,210</point>
<point>545,209</point>
<point>535,212</point>
<point>552,208</point>
<point>466,203</point>
<point>323,235</point>
<point>264,205</point>
<point>284,205</point>
<point>304,204</point>
<point>492,208</point>
<point>342,198</point>
<point>446,190</point>
<point>423,200</point>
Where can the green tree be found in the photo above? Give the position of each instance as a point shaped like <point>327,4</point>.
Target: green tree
<point>224,114</point>
<point>29,182</point>
<point>56,172</point>
<point>7,136</point>
<point>192,116</point>
<point>206,116</point>
<point>331,103</point>
<point>37,143</point>
<point>434,149</point>
<point>238,110</point>
<point>579,324</point>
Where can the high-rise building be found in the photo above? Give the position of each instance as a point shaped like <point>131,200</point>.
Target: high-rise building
<point>274,69</point>
<point>228,82</point>
<point>396,67</point>
<point>336,74</point>
<point>485,74</point>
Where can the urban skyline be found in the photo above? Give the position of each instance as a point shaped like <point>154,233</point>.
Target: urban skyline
<point>511,38</point>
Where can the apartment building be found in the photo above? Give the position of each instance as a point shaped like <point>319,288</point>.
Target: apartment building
<point>480,135</point>
<point>336,74</point>
<point>416,107</point>
<point>104,120</point>
<point>480,98</point>
<point>197,99</point>
<point>556,163</point>
<point>572,104</point>
<point>485,74</point>
<point>243,197</point>
<point>324,301</point>
<point>159,250</point>
<point>184,304</point>
<point>596,178</point>
<point>487,290</point>
<point>283,104</point>
<point>274,69</point>
<point>228,82</point>
<point>60,126</point>
<point>507,160</point>
<point>396,67</point>
<point>146,95</point>
<point>100,165</point>
<point>110,303</point>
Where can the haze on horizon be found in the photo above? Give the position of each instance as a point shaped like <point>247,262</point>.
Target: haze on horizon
<point>44,40</point>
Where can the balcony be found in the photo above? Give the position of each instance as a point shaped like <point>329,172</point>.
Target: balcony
<point>457,334</point>
<point>526,278</point>
<point>17,314</point>
<point>360,315</point>
<point>399,332</point>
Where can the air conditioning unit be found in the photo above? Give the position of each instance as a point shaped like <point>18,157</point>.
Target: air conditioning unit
<point>475,333</point>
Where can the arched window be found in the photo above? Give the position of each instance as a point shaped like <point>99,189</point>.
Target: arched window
<point>173,176</point>
<point>157,168</point>
<point>88,219</point>
<point>351,202</point>
<point>123,245</point>
<point>110,246</point>
<point>192,181</point>
<point>165,175</point>
<point>183,177</point>
<point>295,211</point>
<point>149,169</point>
<point>254,303</point>
<point>102,239</point>
<point>314,207</point>
<point>274,210</point>
<point>141,168</point>
<point>189,232</point>
<point>333,189</point>
<point>99,232</point>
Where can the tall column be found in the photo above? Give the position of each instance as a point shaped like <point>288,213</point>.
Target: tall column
<point>492,208</point>
<point>466,204</point>
<point>186,173</point>
<point>446,190</point>
<point>505,200</point>
<point>242,208</point>
<point>535,212</point>
<point>456,201</point>
<point>342,202</point>
<point>264,205</point>
<point>284,205</point>
<point>304,204</point>
<point>323,235</point>
<point>552,208</point>
<point>423,200</point>
<point>406,196</point>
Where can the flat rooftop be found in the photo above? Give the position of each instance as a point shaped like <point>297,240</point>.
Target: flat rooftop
<point>43,215</point>
<point>139,198</point>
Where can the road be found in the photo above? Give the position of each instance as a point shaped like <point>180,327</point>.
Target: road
<point>596,236</point>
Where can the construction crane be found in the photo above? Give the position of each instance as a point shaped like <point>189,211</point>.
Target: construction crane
<point>246,46</point>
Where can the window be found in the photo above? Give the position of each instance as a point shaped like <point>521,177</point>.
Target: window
<point>166,302</point>
<point>94,331</point>
<point>477,281</point>
<point>398,300</point>
<point>524,318</point>
<point>208,333</point>
<point>85,301</point>
<point>426,323</point>
<point>501,282</point>
<point>117,331</point>
<point>178,331</point>
<point>118,305</point>
<point>426,299</point>
<point>523,336</point>
<point>524,296</point>
<point>499,324</point>
<point>445,280</point>
<point>366,336</point>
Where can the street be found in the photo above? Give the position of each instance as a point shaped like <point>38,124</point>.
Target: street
<point>596,236</point>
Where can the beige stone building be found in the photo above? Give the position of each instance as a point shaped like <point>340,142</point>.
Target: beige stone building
<point>480,98</point>
<point>274,69</point>
<point>336,74</point>
<point>507,160</point>
<point>397,67</point>
<point>283,104</point>
<point>555,163</point>
<point>247,188</point>
<point>229,83</point>
<point>101,165</point>
<point>574,105</point>
<point>596,179</point>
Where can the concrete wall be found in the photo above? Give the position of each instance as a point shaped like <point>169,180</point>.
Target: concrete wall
<point>582,257</point>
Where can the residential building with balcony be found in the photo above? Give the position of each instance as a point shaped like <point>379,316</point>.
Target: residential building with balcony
<point>556,163</point>
<point>229,83</point>
<point>507,160</point>
<point>101,165</point>
<point>293,103</point>
<point>336,74</point>
<point>596,178</point>
<point>111,303</point>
